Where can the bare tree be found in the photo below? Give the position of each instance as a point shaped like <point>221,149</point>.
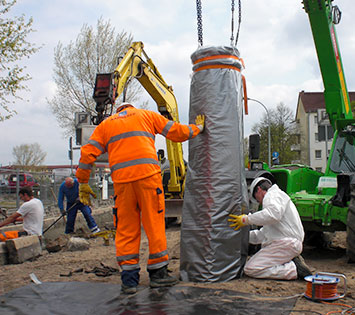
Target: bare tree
<point>13,47</point>
<point>76,66</point>
<point>28,155</point>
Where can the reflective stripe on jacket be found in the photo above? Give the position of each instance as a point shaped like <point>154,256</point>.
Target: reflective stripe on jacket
<point>129,138</point>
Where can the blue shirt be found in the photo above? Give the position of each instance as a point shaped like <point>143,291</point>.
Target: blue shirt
<point>72,194</point>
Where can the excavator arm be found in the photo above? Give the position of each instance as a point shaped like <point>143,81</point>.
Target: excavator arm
<point>136,64</point>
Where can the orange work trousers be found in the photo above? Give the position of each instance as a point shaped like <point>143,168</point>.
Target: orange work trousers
<point>140,202</point>
<point>8,235</point>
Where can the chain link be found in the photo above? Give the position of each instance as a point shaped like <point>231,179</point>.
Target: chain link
<point>239,21</point>
<point>199,22</point>
<point>232,34</point>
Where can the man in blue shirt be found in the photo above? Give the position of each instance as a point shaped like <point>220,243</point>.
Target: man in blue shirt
<point>70,190</point>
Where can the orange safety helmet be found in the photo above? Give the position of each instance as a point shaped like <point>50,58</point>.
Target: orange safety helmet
<point>123,106</point>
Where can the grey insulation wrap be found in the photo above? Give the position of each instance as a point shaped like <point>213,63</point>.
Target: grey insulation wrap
<point>215,182</point>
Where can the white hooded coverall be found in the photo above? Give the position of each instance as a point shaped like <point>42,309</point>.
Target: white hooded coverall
<point>281,237</point>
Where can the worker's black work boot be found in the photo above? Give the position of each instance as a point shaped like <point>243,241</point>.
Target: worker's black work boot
<point>128,290</point>
<point>302,268</point>
<point>130,280</point>
<point>160,278</point>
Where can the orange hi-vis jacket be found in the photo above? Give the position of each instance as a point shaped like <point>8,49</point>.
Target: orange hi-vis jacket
<point>8,235</point>
<point>129,138</point>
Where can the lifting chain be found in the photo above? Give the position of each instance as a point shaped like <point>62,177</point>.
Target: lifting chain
<point>239,20</point>
<point>199,22</point>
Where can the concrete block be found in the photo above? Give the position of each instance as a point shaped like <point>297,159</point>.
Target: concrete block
<point>3,254</point>
<point>23,248</point>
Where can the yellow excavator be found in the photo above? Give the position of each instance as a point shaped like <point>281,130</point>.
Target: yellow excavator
<point>109,86</point>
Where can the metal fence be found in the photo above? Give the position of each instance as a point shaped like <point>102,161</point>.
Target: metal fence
<point>46,188</point>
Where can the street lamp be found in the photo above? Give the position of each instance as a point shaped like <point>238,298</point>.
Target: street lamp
<point>268,128</point>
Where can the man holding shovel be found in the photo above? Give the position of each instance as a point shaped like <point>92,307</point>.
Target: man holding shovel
<point>70,190</point>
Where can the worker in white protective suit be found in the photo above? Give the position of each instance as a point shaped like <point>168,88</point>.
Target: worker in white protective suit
<point>280,236</point>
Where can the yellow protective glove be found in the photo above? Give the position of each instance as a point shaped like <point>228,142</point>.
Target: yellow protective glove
<point>84,194</point>
<point>238,221</point>
<point>200,122</point>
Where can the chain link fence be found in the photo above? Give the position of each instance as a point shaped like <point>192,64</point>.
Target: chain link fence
<point>45,186</point>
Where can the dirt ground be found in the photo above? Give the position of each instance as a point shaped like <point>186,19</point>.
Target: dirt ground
<point>72,266</point>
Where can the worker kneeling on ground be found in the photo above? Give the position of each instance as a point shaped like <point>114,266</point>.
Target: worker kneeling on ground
<point>30,214</point>
<point>128,137</point>
<point>281,235</point>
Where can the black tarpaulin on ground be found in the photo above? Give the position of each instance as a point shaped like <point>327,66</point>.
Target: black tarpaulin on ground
<point>103,298</point>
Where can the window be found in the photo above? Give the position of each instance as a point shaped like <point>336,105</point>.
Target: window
<point>318,154</point>
<point>344,157</point>
<point>316,136</point>
<point>316,119</point>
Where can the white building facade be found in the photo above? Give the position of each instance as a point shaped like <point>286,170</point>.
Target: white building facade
<point>316,133</point>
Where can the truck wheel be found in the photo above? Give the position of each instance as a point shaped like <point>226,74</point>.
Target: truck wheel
<point>350,229</point>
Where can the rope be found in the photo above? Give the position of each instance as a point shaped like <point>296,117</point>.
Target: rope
<point>199,22</point>
<point>349,310</point>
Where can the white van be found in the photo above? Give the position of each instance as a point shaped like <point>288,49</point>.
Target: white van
<point>59,174</point>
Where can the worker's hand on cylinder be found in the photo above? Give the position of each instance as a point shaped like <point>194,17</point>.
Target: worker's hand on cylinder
<point>63,212</point>
<point>238,221</point>
<point>84,194</point>
<point>200,122</point>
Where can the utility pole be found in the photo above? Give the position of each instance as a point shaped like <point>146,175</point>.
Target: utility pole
<point>70,153</point>
<point>268,129</point>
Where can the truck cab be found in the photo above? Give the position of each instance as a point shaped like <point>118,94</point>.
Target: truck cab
<point>25,179</point>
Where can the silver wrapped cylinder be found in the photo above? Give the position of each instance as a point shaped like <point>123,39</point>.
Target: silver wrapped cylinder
<point>215,183</point>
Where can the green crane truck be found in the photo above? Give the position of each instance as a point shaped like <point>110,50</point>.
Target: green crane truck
<point>326,202</point>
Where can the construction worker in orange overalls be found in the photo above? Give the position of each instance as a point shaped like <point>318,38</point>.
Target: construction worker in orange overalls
<point>128,137</point>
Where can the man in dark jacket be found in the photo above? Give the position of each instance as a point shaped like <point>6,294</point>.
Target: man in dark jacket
<point>70,190</point>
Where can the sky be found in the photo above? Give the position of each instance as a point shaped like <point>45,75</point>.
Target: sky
<point>275,43</point>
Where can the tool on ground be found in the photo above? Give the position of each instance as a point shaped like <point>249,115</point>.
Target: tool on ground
<point>323,286</point>
<point>106,234</point>
<point>61,216</point>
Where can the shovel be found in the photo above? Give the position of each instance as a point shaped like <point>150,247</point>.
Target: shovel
<point>61,216</point>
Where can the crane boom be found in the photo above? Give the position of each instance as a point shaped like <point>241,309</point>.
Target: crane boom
<point>322,17</point>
